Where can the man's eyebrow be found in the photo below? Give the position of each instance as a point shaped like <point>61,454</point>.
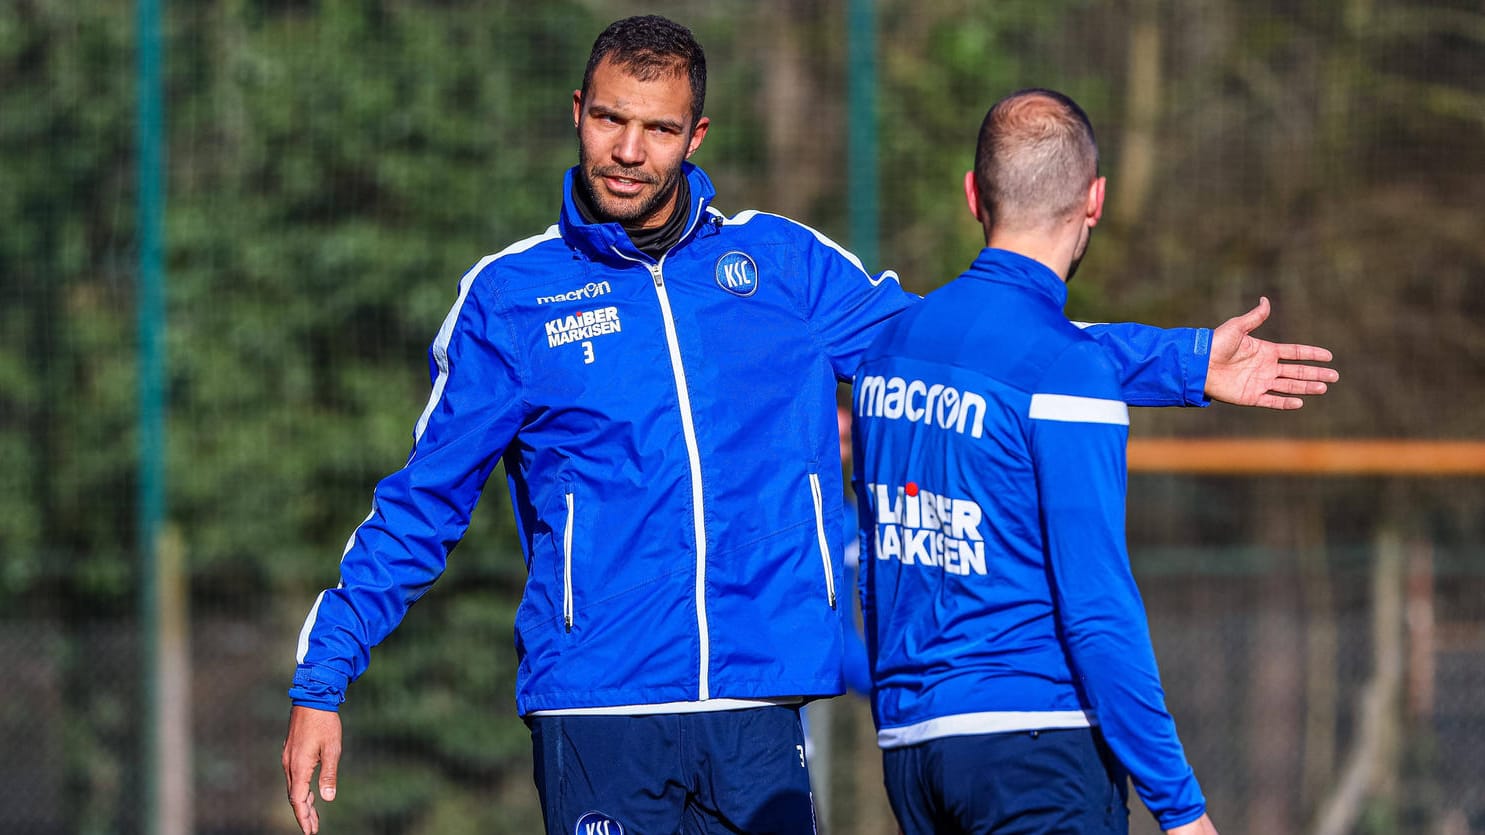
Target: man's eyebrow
<point>668,124</point>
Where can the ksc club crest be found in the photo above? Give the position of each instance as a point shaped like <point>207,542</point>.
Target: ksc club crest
<point>597,823</point>
<point>737,274</point>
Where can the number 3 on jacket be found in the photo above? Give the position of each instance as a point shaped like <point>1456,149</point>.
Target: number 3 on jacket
<point>587,352</point>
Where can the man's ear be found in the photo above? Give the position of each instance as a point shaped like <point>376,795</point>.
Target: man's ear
<point>577,107</point>
<point>972,196</point>
<point>1095,201</point>
<point>698,133</point>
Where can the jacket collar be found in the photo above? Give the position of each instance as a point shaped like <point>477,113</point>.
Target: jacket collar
<point>609,241</point>
<point>1004,266</point>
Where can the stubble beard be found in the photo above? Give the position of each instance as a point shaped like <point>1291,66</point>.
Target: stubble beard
<point>630,213</point>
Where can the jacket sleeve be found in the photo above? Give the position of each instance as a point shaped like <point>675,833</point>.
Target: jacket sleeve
<point>1156,366</point>
<point>420,512</point>
<point>846,305</point>
<point>1078,431</point>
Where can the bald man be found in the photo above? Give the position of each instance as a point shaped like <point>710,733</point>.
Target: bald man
<point>1015,683</point>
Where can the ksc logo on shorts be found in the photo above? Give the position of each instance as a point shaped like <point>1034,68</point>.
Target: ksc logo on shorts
<point>597,823</point>
<point>737,274</point>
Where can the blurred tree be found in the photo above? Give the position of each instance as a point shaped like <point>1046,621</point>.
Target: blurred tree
<point>1292,163</point>
<point>338,165</point>
<point>66,390</point>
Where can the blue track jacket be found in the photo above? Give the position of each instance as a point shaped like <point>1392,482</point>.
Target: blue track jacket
<point>996,585</point>
<point>668,434</point>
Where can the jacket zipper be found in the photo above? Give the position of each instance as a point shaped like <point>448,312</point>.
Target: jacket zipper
<point>688,431</point>
<point>567,565</point>
<point>693,455</point>
<point>818,500</point>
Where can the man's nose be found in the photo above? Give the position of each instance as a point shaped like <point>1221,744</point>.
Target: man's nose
<point>629,150</point>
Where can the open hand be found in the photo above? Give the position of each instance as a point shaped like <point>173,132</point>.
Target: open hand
<point>1248,371</point>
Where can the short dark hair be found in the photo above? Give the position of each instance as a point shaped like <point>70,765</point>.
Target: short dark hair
<point>649,46</point>
<point>1035,158</point>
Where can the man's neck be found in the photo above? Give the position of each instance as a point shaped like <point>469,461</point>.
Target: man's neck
<point>1053,249</point>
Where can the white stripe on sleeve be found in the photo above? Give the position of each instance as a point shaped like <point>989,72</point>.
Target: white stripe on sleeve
<point>445,333</point>
<point>1071,409</point>
<point>309,624</point>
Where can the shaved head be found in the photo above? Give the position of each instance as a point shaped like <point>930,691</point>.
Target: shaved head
<point>1035,159</point>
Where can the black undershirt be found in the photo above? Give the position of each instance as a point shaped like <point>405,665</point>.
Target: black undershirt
<point>652,242</point>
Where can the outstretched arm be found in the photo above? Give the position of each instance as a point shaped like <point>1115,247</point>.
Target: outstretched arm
<point>1249,371</point>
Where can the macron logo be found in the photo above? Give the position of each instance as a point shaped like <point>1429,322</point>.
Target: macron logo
<point>938,405</point>
<point>588,291</point>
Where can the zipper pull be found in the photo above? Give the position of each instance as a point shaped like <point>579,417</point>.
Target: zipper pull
<point>655,271</point>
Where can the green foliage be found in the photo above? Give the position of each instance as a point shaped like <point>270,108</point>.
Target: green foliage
<point>940,72</point>
<point>65,387</point>
<point>334,168</point>
<point>338,173</point>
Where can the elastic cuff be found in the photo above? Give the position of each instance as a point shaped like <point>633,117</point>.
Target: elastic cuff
<point>1197,363</point>
<point>1173,820</point>
<point>332,706</point>
<point>318,688</point>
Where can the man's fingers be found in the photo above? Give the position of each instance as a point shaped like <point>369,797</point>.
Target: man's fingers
<point>1294,371</point>
<point>301,798</point>
<point>329,768</point>
<point>1303,353</point>
<point>1249,322</point>
<point>304,811</point>
<point>297,772</point>
<point>1282,404</point>
<point>1284,385</point>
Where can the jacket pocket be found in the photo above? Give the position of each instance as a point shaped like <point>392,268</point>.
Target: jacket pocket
<point>567,607</point>
<point>819,503</point>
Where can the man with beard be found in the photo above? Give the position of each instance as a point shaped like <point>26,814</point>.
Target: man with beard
<point>1015,684</point>
<point>659,380</point>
